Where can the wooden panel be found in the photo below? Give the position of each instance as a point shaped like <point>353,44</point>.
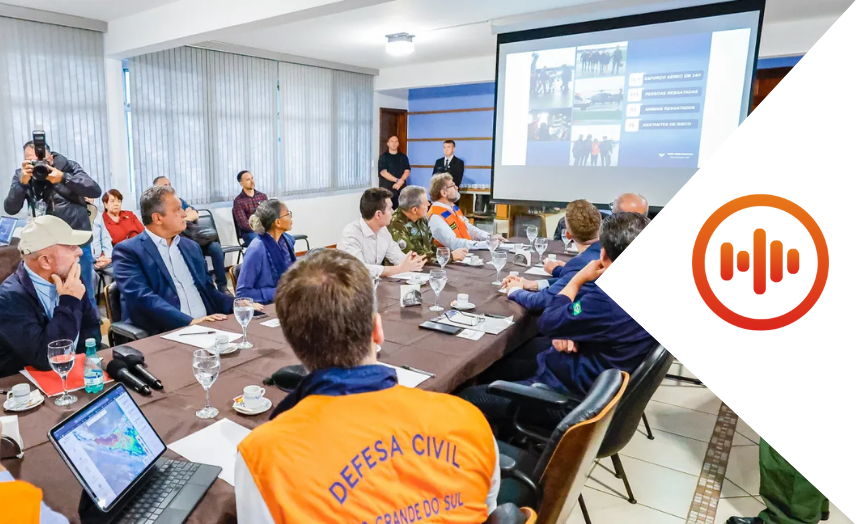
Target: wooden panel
<point>456,139</point>
<point>452,111</point>
<point>766,81</point>
<point>394,122</point>
<point>426,166</point>
<point>502,211</point>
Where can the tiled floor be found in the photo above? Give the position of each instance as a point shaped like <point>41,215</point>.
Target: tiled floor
<point>664,472</point>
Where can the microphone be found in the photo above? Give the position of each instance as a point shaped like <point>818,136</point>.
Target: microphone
<point>119,370</point>
<point>135,361</point>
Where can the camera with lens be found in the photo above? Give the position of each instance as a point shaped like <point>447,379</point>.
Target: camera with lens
<point>41,169</point>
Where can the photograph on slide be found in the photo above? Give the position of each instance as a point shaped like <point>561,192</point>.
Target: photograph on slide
<point>549,126</point>
<point>599,100</point>
<point>551,78</point>
<point>595,145</point>
<point>602,60</point>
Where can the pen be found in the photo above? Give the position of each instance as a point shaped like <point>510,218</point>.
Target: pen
<point>415,370</point>
<point>197,333</point>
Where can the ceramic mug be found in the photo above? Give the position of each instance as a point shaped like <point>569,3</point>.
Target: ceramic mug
<point>253,396</point>
<point>19,395</point>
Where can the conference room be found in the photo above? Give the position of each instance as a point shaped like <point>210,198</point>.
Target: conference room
<point>337,260</point>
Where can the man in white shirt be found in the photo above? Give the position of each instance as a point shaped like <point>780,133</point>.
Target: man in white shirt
<point>448,225</point>
<point>369,240</point>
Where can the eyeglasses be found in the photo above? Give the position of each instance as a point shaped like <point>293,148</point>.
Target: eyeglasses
<point>289,214</point>
<point>463,319</point>
<point>450,187</point>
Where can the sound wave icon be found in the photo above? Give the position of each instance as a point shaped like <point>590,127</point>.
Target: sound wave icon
<point>760,257</point>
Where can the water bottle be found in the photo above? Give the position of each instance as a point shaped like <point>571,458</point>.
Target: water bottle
<point>93,376</point>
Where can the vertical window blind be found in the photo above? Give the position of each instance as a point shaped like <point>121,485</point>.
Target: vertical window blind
<point>200,116</point>
<point>53,77</point>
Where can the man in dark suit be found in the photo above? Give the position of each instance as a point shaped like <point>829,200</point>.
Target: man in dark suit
<point>162,276</point>
<point>450,163</point>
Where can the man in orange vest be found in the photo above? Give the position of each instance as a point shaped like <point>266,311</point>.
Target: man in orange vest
<point>448,225</point>
<point>21,503</point>
<point>349,444</point>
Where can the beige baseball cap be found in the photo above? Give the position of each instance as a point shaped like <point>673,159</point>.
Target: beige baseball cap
<point>46,231</point>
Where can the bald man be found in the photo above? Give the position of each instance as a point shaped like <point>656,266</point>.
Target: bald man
<point>631,203</point>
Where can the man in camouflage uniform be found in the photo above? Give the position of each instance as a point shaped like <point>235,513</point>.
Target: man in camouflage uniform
<point>410,228</point>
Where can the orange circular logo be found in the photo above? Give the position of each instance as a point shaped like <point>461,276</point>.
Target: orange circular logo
<point>701,246</point>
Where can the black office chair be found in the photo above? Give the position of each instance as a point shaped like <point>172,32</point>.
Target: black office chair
<point>511,514</point>
<point>244,244</point>
<point>119,332</point>
<point>206,221</point>
<point>102,275</point>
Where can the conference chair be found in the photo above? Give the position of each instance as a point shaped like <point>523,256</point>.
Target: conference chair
<point>234,272</point>
<point>119,332</point>
<point>103,275</point>
<point>552,479</point>
<point>206,221</point>
<point>510,514</point>
<point>296,237</point>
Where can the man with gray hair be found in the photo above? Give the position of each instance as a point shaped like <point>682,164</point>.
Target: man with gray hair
<point>162,277</point>
<point>45,299</point>
<point>410,227</point>
<point>631,203</point>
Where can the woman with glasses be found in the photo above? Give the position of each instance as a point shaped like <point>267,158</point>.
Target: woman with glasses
<point>269,255</point>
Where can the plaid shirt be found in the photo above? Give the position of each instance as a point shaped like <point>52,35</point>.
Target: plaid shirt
<point>243,207</point>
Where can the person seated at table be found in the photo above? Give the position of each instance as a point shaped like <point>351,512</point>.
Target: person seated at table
<point>45,299</point>
<point>269,255</point>
<point>584,222</point>
<point>590,332</point>
<point>162,277</point>
<point>410,228</point>
<point>449,227</point>
<point>631,203</point>
<point>350,444</point>
<point>369,240</point>
<point>120,224</point>
<point>22,502</point>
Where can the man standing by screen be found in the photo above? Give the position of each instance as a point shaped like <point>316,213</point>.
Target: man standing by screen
<point>450,163</point>
<point>393,169</point>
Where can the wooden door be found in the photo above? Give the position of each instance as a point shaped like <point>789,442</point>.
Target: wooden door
<point>766,81</point>
<point>394,122</point>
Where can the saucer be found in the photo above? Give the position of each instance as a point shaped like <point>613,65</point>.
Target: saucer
<point>480,263</point>
<point>415,282</point>
<point>231,348</point>
<point>238,405</point>
<point>462,307</point>
<point>36,398</point>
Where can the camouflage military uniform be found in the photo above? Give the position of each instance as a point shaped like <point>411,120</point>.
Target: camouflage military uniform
<point>416,235</point>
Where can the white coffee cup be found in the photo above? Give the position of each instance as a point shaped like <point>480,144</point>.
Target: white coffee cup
<point>514,274</point>
<point>221,343</point>
<point>551,257</point>
<point>19,395</point>
<point>463,299</point>
<point>253,396</point>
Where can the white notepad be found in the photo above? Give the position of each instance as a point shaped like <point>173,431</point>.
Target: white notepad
<point>186,336</point>
<point>215,445</point>
<point>408,378</point>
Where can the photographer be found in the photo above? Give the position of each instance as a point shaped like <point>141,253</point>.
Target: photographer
<point>51,184</point>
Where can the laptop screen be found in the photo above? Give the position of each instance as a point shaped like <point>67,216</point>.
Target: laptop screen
<point>7,229</point>
<point>110,444</point>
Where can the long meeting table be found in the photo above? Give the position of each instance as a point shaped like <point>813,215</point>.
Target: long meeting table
<point>453,360</point>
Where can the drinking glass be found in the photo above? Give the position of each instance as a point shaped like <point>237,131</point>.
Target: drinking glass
<point>493,244</point>
<point>532,233</point>
<point>541,247</point>
<point>61,359</point>
<point>206,368</point>
<point>437,281</point>
<point>243,310</point>
<point>498,258</point>
<point>566,240</point>
<point>442,256</point>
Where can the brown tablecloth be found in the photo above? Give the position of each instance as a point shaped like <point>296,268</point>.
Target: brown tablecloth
<point>172,411</point>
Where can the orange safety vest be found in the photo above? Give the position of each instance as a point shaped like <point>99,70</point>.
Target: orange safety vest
<point>455,219</point>
<point>20,503</point>
<point>394,456</point>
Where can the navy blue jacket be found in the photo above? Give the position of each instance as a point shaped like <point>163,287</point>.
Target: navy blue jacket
<point>257,279</point>
<point>149,297</point>
<point>25,329</point>
<point>606,336</point>
<point>538,301</point>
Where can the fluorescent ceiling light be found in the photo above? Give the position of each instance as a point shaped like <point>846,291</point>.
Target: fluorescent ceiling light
<point>400,44</point>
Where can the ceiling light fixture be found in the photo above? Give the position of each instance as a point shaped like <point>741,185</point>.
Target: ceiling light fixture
<point>400,44</point>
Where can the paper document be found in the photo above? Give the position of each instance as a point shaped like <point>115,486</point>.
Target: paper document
<point>471,334</point>
<point>493,326</point>
<point>186,336</point>
<point>422,277</point>
<point>215,445</point>
<point>538,272</point>
<point>408,378</point>
<point>11,430</point>
<point>271,323</point>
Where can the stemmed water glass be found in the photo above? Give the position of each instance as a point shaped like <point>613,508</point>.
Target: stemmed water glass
<point>566,240</point>
<point>206,368</point>
<point>541,246</point>
<point>532,233</point>
<point>61,359</point>
<point>498,258</point>
<point>442,256</point>
<point>437,281</point>
<point>243,310</point>
<point>493,244</point>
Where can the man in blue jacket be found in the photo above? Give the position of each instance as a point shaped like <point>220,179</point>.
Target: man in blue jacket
<point>584,222</point>
<point>161,276</point>
<point>590,332</point>
<point>45,299</point>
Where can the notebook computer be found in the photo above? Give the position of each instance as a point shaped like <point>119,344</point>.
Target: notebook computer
<point>116,455</point>
<point>7,229</point>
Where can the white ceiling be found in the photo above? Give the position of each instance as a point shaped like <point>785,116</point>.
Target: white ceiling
<point>105,10</point>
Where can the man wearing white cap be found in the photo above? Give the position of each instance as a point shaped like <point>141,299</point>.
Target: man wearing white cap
<point>45,299</point>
